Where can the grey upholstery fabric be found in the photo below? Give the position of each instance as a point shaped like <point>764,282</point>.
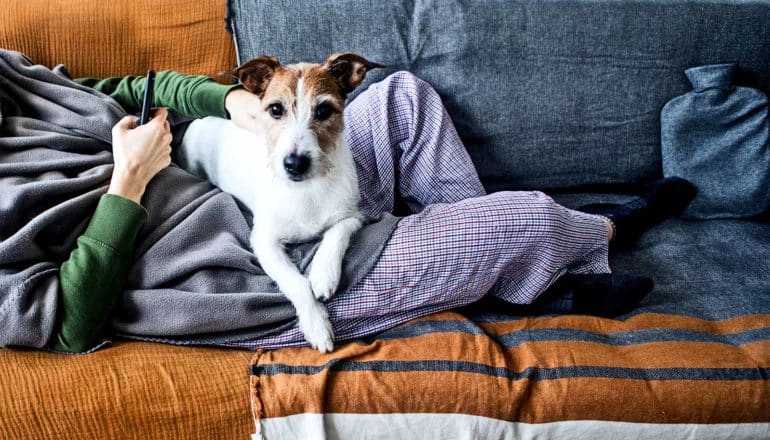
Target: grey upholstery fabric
<point>714,269</point>
<point>545,94</point>
<point>551,95</point>
<point>711,269</point>
<point>718,137</point>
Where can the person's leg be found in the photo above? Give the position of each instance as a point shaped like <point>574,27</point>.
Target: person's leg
<point>404,143</point>
<point>451,255</point>
<point>414,150</point>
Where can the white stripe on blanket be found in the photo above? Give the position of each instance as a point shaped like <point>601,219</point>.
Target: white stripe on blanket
<point>464,426</point>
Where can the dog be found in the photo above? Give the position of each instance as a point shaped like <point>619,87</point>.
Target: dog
<point>298,177</point>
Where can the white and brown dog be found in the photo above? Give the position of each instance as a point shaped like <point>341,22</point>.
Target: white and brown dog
<point>298,177</point>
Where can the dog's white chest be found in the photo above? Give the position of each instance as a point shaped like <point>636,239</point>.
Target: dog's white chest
<point>300,212</point>
<point>237,162</point>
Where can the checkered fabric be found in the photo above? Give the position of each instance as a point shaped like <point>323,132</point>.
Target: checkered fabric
<point>461,244</point>
<point>403,140</point>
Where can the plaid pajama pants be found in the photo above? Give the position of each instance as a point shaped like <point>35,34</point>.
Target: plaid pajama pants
<point>461,243</point>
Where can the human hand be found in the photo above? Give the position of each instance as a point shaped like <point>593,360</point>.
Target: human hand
<point>139,153</point>
<point>244,108</point>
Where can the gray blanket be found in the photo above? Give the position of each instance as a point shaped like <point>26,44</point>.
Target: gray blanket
<point>194,280</point>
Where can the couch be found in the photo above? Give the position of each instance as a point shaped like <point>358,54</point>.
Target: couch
<point>560,96</point>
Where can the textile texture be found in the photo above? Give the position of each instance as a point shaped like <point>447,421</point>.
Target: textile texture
<point>544,94</point>
<point>133,390</point>
<point>100,39</point>
<point>692,360</point>
<point>460,244</point>
<point>717,136</point>
<point>55,162</point>
<point>534,377</point>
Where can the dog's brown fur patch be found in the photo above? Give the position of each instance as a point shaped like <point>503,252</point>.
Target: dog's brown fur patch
<point>316,81</point>
<point>300,89</point>
<point>282,89</point>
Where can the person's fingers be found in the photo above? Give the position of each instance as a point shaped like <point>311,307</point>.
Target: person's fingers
<point>251,101</point>
<point>161,112</point>
<point>256,105</point>
<point>160,116</point>
<point>125,124</point>
<point>162,162</point>
<point>167,126</point>
<point>254,126</point>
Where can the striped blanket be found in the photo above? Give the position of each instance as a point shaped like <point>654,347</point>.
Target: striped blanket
<point>652,375</point>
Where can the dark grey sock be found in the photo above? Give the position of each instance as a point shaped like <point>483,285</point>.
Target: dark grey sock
<point>605,294</point>
<point>662,199</point>
<point>610,295</point>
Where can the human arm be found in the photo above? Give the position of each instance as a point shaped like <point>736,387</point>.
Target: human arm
<point>92,278</point>
<point>93,275</point>
<point>190,95</point>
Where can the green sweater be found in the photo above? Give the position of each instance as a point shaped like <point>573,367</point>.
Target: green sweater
<point>92,278</point>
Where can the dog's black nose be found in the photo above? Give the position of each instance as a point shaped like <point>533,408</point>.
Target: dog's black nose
<point>296,165</point>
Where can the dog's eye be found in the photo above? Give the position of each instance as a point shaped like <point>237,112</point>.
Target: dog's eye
<point>275,110</point>
<point>324,112</point>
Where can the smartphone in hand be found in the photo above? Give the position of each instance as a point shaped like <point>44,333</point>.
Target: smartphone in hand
<point>148,95</point>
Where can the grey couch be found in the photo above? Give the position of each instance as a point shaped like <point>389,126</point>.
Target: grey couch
<point>562,96</point>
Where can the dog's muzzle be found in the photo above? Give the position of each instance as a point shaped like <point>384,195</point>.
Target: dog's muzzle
<point>296,165</point>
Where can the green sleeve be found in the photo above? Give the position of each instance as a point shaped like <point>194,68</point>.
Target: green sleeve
<point>192,96</point>
<point>92,278</point>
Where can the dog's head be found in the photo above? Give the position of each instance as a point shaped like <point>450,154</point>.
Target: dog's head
<point>301,109</point>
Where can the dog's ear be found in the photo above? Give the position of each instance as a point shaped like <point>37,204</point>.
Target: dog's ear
<point>349,69</point>
<point>255,74</point>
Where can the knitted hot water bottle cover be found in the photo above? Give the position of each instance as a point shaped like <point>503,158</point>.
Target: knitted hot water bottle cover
<point>716,136</point>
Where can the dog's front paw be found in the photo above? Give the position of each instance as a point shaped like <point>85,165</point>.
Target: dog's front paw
<point>324,279</point>
<point>316,327</point>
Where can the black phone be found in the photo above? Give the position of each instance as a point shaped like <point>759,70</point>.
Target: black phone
<point>148,94</point>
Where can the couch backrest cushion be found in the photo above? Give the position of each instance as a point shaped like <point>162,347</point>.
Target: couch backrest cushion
<point>545,94</point>
<point>99,38</point>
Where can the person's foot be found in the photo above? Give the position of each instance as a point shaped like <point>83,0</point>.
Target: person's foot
<point>609,295</point>
<point>606,295</point>
<point>662,199</point>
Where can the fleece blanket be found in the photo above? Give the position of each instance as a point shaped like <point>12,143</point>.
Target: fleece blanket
<point>194,279</point>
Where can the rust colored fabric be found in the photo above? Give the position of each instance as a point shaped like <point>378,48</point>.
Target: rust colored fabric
<point>133,390</point>
<point>96,38</point>
<point>651,368</point>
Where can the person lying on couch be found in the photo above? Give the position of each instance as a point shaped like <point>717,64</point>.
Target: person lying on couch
<point>404,144</point>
